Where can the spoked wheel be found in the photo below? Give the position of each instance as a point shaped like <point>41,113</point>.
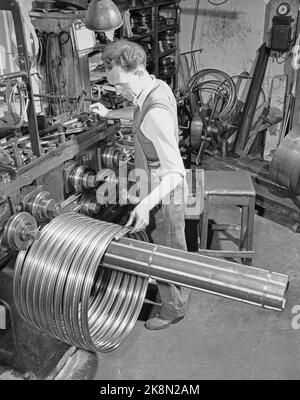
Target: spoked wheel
<point>213,99</point>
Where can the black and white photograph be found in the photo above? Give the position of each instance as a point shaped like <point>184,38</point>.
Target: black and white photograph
<point>149,194</point>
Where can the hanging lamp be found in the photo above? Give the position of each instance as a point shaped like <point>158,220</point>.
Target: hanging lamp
<point>103,15</point>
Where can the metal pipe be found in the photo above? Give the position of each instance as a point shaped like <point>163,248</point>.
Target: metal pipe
<point>62,98</point>
<point>240,282</point>
<point>14,75</point>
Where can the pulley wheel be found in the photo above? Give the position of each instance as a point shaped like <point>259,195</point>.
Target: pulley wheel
<point>20,231</point>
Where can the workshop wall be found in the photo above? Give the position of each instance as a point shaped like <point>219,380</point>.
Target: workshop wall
<point>230,35</point>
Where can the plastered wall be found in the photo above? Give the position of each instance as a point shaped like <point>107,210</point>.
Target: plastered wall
<point>229,34</point>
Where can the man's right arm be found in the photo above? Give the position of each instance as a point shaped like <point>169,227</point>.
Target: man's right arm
<point>104,112</point>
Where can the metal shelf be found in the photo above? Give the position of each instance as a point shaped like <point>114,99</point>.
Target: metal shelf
<point>142,36</point>
<point>166,76</point>
<point>142,7</point>
<point>166,3</point>
<point>157,29</point>
<point>99,47</point>
<point>168,27</point>
<point>166,53</point>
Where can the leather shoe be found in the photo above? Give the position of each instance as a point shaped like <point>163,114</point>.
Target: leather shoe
<point>158,322</point>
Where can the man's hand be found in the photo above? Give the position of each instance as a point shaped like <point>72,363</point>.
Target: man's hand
<point>140,214</point>
<point>99,109</point>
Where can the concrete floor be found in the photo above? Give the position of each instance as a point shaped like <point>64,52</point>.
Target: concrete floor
<point>221,338</point>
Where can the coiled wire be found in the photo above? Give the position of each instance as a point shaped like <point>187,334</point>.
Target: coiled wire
<point>222,87</point>
<point>61,289</point>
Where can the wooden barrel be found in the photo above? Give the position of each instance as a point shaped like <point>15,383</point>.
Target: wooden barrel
<point>285,165</point>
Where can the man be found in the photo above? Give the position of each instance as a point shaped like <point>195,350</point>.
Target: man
<point>160,212</point>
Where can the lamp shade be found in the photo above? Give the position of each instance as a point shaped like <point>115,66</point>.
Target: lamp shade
<point>103,15</point>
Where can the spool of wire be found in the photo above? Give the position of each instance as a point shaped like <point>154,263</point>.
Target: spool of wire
<point>61,289</point>
<point>222,90</point>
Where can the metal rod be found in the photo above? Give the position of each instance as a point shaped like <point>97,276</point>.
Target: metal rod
<point>13,75</point>
<point>252,98</point>
<point>62,98</point>
<point>217,276</point>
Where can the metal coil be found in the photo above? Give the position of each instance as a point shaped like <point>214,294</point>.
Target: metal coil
<point>112,157</point>
<point>222,87</point>
<point>61,288</point>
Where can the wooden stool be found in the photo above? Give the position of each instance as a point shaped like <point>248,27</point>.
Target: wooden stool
<point>229,188</point>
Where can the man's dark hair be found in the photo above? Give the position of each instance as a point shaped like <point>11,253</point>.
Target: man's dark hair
<point>128,55</point>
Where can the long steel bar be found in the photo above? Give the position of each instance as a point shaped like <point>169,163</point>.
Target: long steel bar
<point>228,279</point>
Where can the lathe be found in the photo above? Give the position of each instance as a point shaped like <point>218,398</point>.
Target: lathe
<point>71,274</point>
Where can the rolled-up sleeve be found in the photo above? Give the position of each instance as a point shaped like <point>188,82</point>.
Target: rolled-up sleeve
<point>158,126</point>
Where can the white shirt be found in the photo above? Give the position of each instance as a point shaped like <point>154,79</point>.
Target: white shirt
<point>158,126</point>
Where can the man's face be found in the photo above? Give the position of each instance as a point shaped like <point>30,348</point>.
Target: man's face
<point>127,84</point>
